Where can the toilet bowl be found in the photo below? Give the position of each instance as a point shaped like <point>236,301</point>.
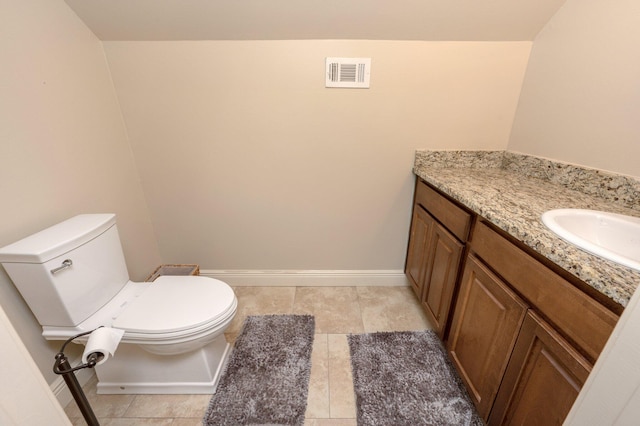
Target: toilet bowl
<point>74,279</point>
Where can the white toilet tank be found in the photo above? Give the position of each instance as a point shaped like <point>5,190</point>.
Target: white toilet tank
<point>67,272</point>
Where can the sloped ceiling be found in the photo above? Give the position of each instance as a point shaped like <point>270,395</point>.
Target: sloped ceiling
<point>455,20</point>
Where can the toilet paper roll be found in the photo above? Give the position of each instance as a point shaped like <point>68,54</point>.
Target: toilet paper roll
<point>102,341</point>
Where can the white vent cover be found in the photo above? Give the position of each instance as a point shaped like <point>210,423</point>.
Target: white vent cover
<point>348,72</point>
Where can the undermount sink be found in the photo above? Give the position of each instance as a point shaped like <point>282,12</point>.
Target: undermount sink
<point>612,236</point>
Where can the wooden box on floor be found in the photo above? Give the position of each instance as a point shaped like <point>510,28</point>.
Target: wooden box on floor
<point>174,270</point>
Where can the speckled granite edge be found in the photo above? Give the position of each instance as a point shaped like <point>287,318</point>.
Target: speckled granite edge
<point>618,189</point>
<point>514,197</point>
<point>459,159</point>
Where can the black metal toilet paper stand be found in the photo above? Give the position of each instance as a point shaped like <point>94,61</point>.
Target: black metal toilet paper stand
<point>63,368</point>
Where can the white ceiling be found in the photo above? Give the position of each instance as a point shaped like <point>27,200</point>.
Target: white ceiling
<point>467,20</point>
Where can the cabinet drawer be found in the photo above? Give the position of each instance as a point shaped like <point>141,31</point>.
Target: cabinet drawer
<point>576,315</point>
<point>454,218</point>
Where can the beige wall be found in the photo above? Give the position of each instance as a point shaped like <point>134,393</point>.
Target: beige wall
<point>26,398</point>
<point>580,103</point>
<point>580,100</point>
<point>63,145</point>
<point>248,162</point>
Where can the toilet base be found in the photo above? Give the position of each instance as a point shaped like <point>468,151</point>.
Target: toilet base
<point>132,370</point>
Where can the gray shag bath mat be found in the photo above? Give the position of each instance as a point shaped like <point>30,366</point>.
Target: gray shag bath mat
<point>405,378</point>
<point>266,379</point>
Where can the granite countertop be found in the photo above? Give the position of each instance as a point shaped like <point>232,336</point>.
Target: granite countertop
<point>512,191</point>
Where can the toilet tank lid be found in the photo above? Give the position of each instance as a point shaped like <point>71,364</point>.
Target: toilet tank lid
<point>57,239</point>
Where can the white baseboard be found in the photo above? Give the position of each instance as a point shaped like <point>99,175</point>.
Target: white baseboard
<point>309,278</point>
<point>60,389</point>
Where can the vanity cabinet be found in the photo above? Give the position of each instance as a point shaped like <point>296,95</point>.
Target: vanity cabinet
<point>543,379</point>
<point>523,339</point>
<point>581,319</point>
<point>441,276</point>
<point>439,230</point>
<point>522,334</point>
<point>486,323</point>
<point>419,240</point>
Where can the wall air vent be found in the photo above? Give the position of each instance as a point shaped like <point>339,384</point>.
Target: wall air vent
<point>348,72</point>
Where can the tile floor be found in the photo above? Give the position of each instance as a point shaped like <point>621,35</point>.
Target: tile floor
<point>338,311</point>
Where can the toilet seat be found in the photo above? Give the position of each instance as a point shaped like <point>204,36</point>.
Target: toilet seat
<point>175,309</point>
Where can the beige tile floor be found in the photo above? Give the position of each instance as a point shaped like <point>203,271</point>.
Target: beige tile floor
<point>338,311</point>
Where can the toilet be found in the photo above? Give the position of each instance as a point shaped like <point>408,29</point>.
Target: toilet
<point>74,278</point>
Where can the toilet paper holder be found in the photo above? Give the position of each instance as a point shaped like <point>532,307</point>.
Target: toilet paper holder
<point>63,368</point>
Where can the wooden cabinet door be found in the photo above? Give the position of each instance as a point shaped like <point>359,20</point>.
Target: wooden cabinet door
<point>443,263</point>
<point>418,249</point>
<point>543,379</point>
<point>486,322</point>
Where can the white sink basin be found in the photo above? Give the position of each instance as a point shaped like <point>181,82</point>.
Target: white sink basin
<point>612,236</point>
